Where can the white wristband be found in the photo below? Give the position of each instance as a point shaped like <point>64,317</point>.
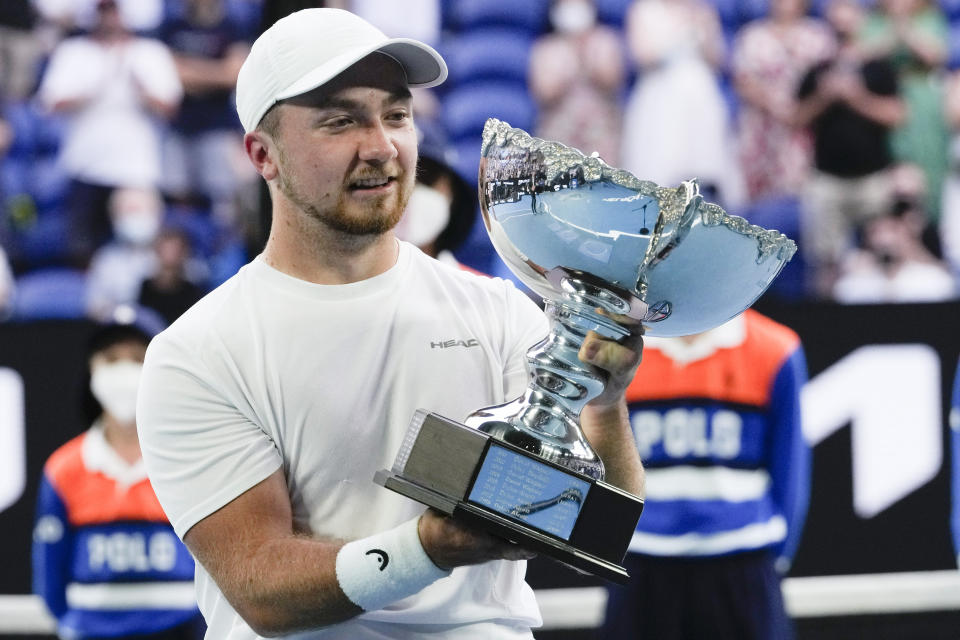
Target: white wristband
<point>376,571</point>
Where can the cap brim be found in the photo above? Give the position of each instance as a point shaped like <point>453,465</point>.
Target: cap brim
<point>422,65</point>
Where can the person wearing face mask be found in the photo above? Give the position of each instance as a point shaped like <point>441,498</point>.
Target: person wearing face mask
<point>577,73</point>
<point>442,205</point>
<point>119,268</point>
<point>105,559</point>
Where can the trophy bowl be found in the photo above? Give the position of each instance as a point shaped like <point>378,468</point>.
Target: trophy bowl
<point>587,237</point>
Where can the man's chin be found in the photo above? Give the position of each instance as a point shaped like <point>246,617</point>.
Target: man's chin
<point>365,224</point>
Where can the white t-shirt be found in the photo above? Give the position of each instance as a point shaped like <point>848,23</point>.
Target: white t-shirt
<point>271,371</point>
<point>112,139</point>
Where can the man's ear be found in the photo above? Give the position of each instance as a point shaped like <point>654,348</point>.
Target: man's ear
<point>263,153</point>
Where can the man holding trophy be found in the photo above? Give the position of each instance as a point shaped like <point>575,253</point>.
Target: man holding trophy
<point>266,410</point>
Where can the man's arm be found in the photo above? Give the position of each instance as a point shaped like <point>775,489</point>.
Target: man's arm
<point>279,581</point>
<point>605,420</point>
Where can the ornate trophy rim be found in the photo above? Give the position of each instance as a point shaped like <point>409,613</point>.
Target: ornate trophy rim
<point>559,158</point>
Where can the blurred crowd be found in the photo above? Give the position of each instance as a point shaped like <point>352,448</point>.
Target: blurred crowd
<point>123,179</point>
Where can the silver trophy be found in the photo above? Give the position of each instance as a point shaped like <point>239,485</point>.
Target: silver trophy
<point>585,237</point>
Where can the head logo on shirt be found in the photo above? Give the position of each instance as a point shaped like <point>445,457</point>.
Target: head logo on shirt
<point>446,344</point>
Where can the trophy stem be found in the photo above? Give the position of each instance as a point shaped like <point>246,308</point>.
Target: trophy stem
<point>545,420</point>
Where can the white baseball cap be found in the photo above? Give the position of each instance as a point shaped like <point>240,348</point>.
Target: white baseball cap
<point>307,48</point>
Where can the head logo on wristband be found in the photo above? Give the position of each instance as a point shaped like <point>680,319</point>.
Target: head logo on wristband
<point>382,557</point>
<point>411,569</point>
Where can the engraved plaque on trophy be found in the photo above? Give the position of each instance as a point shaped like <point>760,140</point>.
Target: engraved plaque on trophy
<point>584,236</point>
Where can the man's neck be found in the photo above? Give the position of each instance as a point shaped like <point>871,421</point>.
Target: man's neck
<point>310,250</point>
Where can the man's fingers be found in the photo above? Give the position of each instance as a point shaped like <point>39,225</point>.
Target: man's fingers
<point>451,543</point>
<point>513,551</point>
<point>618,359</point>
<point>633,324</point>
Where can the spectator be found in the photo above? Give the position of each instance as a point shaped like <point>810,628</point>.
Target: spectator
<point>119,267</point>
<point>769,58</point>
<point>114,85</point>
<point>913,34</point>
<point>203,152</point>
<point>7,285</point>
<point>416,19</point>
<point>716,417</point>
<point>676,122</point>
<point>577,75</point>
<point>19,49</point>
<point>850,103</point>
<point>955,464</point>
<point>442,207</point>
<point>105,559</point>
<point>140,16</point>
<point>169,291</point>
<point>894,265</point>
<point>950,217</point>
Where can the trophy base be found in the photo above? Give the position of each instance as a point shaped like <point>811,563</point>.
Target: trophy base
<point>577,520</point>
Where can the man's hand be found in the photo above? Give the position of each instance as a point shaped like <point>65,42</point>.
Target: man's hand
<point>453,544</point>
<point>619,359</point>
<point>605,420</point>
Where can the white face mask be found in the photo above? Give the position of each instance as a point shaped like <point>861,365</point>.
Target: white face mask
<point>137,228</point>
<point>573,16</point>
<point>426,215</point>
<point>114,385</point>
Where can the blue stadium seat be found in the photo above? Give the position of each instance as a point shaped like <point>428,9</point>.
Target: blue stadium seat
<point>227,261</point>
<point>466,158</point>
<point>20,117</point>
<point>44,242</point>
<point>953,51</point>
<point>247,15</point>
<point>48,183</point>
<point>613,12</point>
<point>951,8</point>
<point>752,9</point>
<point>492,53</point>
<point>50,293</point>
<point>782,214</point>
<point>49,132</point>
<point>198,225</point>
<point>477,251</point>
<point>14,176</point>
<point>461,15</point>
<point>729,13</point>
<point>818,7</point>
<point>466,108</point>
<point>730,96</point>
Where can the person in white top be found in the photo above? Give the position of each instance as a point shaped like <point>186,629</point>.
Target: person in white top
<point>265,410</point>
<point>115,89</point>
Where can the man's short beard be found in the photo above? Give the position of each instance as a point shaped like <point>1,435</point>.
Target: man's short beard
<point>370,222</point>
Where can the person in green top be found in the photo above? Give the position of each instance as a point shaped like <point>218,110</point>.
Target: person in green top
<point>913,34</point>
